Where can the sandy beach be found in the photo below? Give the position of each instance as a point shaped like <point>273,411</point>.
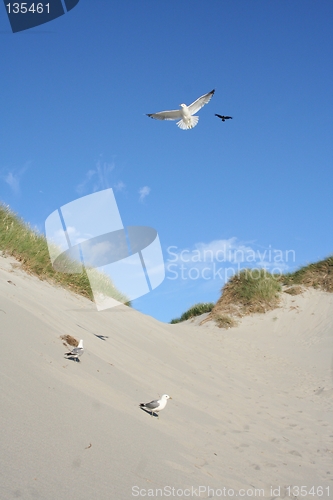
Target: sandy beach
<point>251,406</point>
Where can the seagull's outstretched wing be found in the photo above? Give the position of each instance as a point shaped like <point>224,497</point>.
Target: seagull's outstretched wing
<point>199,103</point>
<point>166,115</point>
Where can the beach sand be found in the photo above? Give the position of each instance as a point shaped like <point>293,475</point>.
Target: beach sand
<point>251,406</point>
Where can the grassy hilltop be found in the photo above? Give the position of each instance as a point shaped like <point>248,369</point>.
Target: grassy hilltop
<point>30,248</point>
<point>257,291</point>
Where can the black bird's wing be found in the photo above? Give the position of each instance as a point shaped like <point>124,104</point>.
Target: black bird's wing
<point>224,118</point>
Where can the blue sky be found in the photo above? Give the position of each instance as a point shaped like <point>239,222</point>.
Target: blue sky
<point>73,98</point>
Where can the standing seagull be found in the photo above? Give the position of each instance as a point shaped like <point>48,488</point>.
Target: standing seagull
<point>187,121</point>
<point>224,118</point>
<point>156,404</point>
<point>76,352</point>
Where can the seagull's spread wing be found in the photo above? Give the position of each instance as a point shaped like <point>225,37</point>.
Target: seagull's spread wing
<point>199,103</point>
<point>166,115</point>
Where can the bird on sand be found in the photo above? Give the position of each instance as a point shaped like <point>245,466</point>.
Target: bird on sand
<point>187,121</point>
<point>156,405</point>
<point>76,352</point>
<point>224,118</point>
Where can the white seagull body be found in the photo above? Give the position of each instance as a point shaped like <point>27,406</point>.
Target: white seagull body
<point>76,352</point>
<point>185,113</point>
<point>156,405</point>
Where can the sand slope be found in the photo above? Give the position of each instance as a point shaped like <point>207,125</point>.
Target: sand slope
<point>251,407</point>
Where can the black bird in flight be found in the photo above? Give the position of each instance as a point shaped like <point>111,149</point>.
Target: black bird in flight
<point>224,118</point>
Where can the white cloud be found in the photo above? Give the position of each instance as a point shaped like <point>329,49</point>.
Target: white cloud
<point>230,253</point>
<point>80,188</point>
<point>13,177</point>
<point>76,236</point>
<point>97,178</point>
<point>13,181</point>
<point>120,186</point>
<point>143,192</point>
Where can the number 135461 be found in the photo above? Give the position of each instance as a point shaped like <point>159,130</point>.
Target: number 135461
<point>24,7</point>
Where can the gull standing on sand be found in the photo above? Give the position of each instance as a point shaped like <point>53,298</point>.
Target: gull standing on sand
<point>187,121</point>
<point>76,352</point>
<point>156,405</point>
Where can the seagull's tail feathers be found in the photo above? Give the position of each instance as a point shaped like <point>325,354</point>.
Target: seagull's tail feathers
<point>190,123</point>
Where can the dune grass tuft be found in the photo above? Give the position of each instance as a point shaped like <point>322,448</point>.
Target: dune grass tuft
<point>196,310</point>
<point>30,248</point>
<point>294,290</point>
<point>250,291</point>
<point>318,275</point>
<point>225,321</point>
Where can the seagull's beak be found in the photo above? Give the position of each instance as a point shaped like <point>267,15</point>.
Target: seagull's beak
<point>170,397</point>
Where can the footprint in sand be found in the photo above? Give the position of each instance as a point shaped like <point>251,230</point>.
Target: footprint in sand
<point>294,452</point>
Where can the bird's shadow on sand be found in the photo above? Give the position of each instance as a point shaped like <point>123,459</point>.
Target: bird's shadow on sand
<point>149,413</point>
<point>101,337</point>
<point>72,358</point>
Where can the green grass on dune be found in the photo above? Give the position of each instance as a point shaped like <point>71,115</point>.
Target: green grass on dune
<point>316,275</point>
<point>250,291</point>
<point>195,310</point>
<point>257,291</point>
<point>30,248</point>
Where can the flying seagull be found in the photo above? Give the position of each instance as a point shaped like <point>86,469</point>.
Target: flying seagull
<point>186,121</point>
<point>224,118</point>
<point>76,352</point>
<point>156,404</point>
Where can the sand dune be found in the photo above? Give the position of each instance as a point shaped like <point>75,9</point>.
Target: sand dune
<point>251,406</point>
